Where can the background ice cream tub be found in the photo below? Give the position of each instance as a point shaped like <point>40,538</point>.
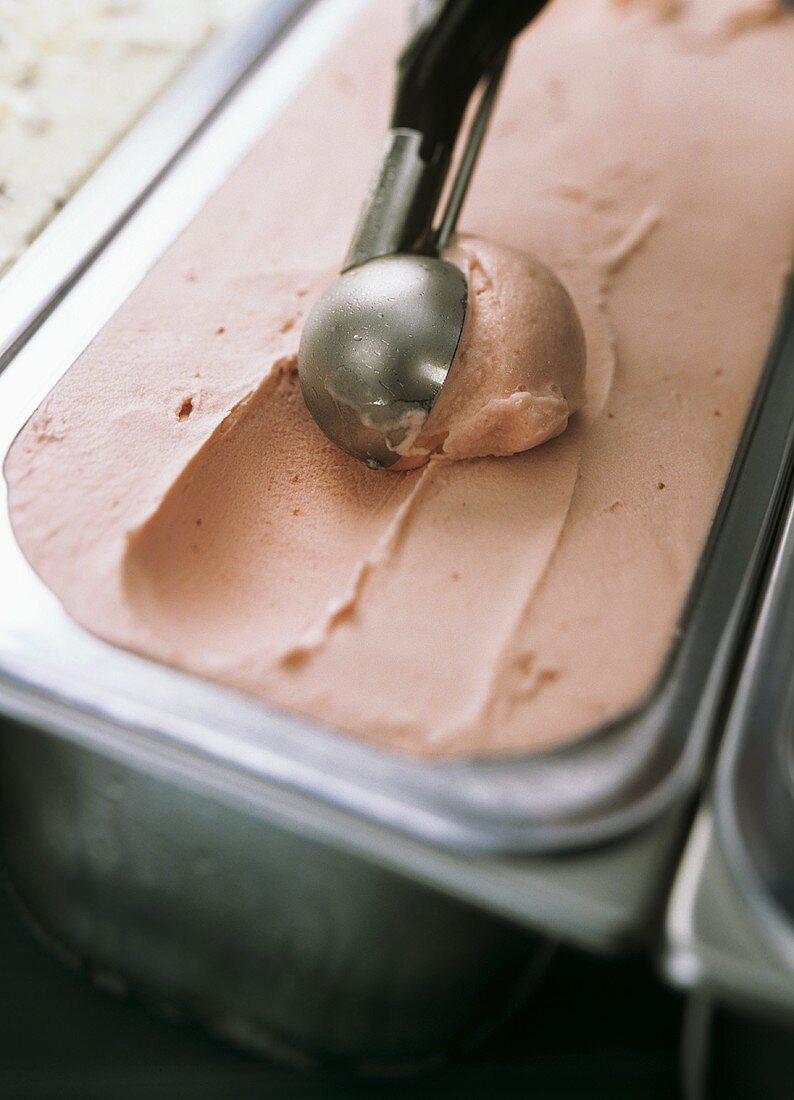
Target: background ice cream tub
<point>146,801</point>
<point>731,917</point>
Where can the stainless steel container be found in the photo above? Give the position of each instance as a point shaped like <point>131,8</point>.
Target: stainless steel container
<point>279,942</point>
<point>297,890</point>
<point>731,918</point>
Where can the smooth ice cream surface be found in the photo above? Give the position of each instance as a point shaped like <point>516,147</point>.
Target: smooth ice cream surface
<point>175,494</point>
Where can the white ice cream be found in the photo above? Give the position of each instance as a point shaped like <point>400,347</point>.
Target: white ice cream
<point>74,75</point>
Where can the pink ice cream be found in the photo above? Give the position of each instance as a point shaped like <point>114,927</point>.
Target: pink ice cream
<point>175,494</point>
<point>518,373</point>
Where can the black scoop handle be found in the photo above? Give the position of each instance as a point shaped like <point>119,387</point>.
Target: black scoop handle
<point>445,60</point>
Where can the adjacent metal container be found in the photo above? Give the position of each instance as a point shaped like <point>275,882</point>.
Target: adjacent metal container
<point>50,265</point>
<point>731,919</point>
<point>296,889</point>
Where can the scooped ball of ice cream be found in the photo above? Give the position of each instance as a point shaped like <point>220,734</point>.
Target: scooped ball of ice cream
<point>518,373</point>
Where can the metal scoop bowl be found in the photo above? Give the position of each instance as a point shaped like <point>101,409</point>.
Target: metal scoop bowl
<point>376,350</point>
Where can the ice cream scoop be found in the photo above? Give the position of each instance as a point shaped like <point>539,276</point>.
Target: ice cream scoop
<point>376,350</point>
<point>378,345</point>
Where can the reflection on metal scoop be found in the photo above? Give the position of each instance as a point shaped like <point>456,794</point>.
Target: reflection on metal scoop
<point>376,350</point>
<point>378,345</point>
